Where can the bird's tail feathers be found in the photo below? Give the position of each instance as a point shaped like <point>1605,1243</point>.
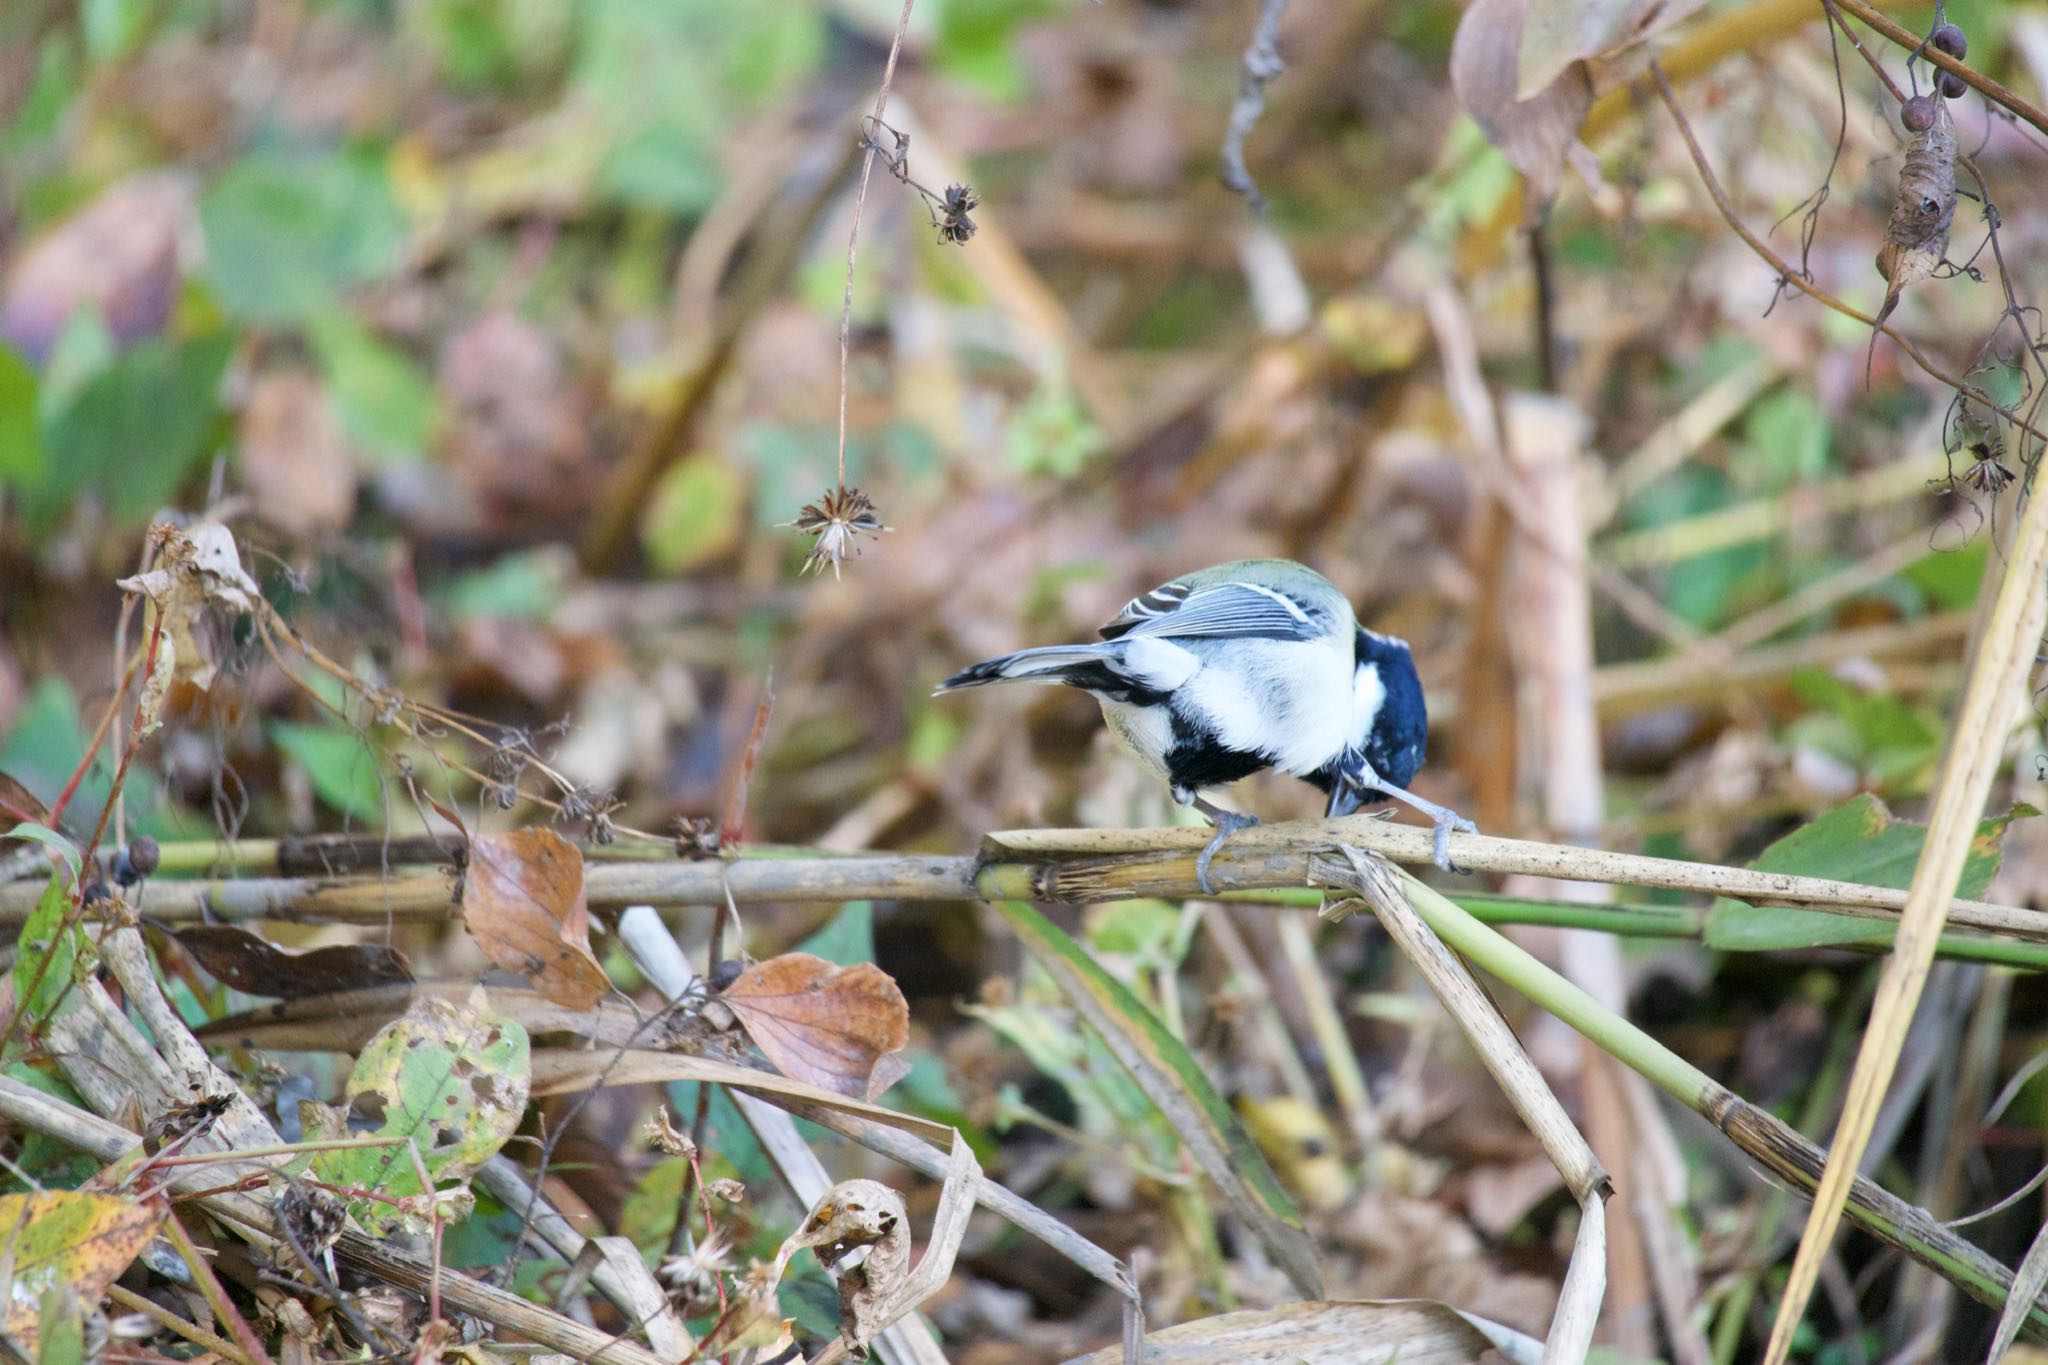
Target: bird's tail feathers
<point>1046,664</point>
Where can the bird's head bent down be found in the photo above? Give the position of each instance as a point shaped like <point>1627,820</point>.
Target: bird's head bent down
<point>1254,664</point>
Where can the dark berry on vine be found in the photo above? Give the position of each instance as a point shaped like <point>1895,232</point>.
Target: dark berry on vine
<point>1953,87</point>
<point>1951,40</point>
<point>136,861</point>
<point>1917,113</point>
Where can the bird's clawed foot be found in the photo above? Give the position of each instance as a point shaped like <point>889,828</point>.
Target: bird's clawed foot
<point>1447,820</point>
<point>1227,822</point>
<point>1444,818</point>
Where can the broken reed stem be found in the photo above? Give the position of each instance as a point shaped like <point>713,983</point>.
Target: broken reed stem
<point>1054,865</point>
<point>1379,888</point>
<point>1761,1135</point>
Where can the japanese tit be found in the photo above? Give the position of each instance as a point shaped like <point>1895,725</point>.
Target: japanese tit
<point>1249,665</point>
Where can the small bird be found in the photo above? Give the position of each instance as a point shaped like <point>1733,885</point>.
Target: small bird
<point>1254,664</point>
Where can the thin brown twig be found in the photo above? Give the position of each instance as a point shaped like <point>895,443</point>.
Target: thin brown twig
<point>1913,42</point>
<point>1787,275</point>
<point>1835,16</point>
<point>860,199</point>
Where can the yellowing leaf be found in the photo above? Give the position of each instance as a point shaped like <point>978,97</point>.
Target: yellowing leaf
<point>450,1081</point>
<point>67,1237</point>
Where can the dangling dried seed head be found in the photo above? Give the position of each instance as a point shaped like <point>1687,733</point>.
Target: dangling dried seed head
<point>836,519</point>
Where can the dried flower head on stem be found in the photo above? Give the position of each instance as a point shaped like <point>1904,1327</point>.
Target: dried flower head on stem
<point>836,519</point>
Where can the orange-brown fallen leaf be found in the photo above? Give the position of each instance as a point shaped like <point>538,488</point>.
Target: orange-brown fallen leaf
<point>523,902</point>
<point>839,1027</point>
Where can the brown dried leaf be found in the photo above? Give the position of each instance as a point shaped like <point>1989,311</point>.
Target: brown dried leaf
<point>18,806</point>
<point>523,902</point>
<point>295,459</point>
<point>1526,70</point>
<point>1601,33</point>
<point>733,827</point>
<point>1534,133</point>
<point>817,1021</point>
<point>256,966</point>
<point>117,257</point>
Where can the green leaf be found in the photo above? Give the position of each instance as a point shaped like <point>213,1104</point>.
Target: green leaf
<point>1176,1084</point>
<point>341,765</point>
<point>1787,441</point>
<point>1949,579</point>
<point>1859,841</point>
<point>285,235</point>
<point>388,406</point>
<point>451,1080</point>
<point>48,838</point>
<point>61,1327</point>
<point>136,430</point>
<point>697,514</point>
<point>21,442</point>
<point>45,744</point>
<point>848,938</point>
<point>52,955</point>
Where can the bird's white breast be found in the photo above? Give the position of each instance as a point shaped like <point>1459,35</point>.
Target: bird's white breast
<point>1291,700</point>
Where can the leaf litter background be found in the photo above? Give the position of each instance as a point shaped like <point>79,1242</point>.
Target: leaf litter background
<point>503,335</point>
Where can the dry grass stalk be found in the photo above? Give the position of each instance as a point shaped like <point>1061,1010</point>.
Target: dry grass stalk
<point>1380,888</point>
<point>2005,651</point>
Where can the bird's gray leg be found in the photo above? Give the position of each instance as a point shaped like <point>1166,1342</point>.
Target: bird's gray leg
<point>1443,817</point>
<point>1227,822</point>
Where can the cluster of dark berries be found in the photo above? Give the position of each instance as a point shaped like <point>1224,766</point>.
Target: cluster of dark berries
<point>1950,39</point>
<point>1917,113</point>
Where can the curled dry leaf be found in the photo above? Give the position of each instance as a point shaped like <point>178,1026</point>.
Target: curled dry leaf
<point>256,966</point>
<point>838,1027</point>
<point>196,569</point>
<point>1526,70</point>
<point>1924,205</point>
<point>858,1213</point>
<point>523,902</point>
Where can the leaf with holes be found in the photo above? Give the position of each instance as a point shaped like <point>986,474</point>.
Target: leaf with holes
<point>839,1027</point>
<point>523,903</point>
<point>67,1237</point>
<point>450,1080</point>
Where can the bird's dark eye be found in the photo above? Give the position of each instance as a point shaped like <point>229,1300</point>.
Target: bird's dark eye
<point>1313,1147</point>
<point>1930,206</point>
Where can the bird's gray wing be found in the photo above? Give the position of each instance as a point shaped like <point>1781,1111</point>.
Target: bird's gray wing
<point>1216,610</point>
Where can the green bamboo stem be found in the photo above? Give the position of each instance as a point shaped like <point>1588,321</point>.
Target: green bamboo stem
<point>1764,1137</point>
